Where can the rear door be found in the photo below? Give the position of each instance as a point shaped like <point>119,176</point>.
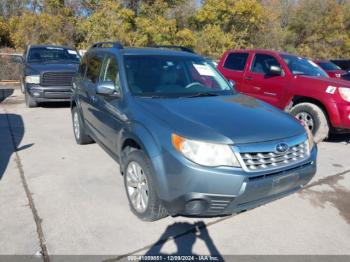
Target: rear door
<point>259,82</point>
<point>233,68</point>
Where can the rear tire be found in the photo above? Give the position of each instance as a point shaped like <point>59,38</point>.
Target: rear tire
<point>78,128</point>
<point>314,117</point>
<point>30,101</point>
<point>143,181</point>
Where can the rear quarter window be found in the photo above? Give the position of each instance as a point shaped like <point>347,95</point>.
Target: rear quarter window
<point>236,61</point>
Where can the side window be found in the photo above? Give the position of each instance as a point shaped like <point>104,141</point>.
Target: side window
<point>94,67</point>
<point>82,66</point>
<point>110,71</point>
<point>262,63</point>
<point>236,61</point>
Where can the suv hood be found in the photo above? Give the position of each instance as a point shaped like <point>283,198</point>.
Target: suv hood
<point>224,119</point>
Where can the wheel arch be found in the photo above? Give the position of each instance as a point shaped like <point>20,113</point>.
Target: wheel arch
<point>137,139</point>
<point>304,99</point>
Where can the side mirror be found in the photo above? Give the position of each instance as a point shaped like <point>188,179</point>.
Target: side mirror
<point>232,83</point>
<point>275,70</point>
<point>106,88</point>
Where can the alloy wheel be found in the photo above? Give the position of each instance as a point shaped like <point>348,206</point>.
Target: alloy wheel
<point>137,187</point>
<point>76,125</point>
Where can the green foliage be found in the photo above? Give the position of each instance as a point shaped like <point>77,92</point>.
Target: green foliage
<point>321,33</point>
<point>110,21</point>
<point>4,32</point>
<point>32,28</point>
<point>314,28</point>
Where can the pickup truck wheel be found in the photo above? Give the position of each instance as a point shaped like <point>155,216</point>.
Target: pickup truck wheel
<point>314,118</point>
<point>30,102</point>
<point>78,127</point>
<point>140,187</point>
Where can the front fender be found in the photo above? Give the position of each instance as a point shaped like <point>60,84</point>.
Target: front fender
<point>143,137</point>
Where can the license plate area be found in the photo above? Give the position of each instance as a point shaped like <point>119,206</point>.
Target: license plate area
<point>286,180</point>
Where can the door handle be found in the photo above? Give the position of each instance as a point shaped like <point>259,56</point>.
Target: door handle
<point>248,78</point>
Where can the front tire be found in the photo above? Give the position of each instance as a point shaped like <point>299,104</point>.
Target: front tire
<point>30,101</point>
<point>314,118</point>
<point>140,187</point>
<point>78,128</point>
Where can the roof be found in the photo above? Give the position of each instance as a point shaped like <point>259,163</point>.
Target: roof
<point>149,51</point>
<point>266,51</point>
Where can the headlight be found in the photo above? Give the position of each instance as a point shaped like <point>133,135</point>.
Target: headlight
<point>345,93</point>
<point>205,154</point>
<point>34,79</point>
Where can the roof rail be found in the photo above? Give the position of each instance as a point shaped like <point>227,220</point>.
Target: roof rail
<point>182,48</point>
<point>116,45</point>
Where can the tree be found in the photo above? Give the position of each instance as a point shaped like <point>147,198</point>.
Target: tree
<point>321,33</point>
<point>238,21</point>
<point>212,41</point>
<point>33,28</point>
<point>111,21</point>
<point>156,24</point>
<point>4,32</point>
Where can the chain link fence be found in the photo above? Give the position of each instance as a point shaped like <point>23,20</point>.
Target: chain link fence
<point>9,65</point>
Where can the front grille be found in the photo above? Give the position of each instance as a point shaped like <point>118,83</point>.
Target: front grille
<point>259,161</point>
<point>57,78</point>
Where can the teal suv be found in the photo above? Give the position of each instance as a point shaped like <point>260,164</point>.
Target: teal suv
<point>186,142</point>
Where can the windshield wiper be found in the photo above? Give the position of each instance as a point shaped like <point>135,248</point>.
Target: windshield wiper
<point>203,94</point>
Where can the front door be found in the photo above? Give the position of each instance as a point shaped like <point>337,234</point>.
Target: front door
<point>259,82</point>
<point>109,115</point>
<point>89,97</point>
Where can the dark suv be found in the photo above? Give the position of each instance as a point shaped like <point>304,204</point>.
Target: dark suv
<point>47,72</point>
<point>185,141</point>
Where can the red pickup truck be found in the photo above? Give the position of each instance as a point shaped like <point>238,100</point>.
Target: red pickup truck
<point>294,84</point>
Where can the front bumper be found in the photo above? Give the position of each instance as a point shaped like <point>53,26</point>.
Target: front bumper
<point>47,94</point>
<point>200,191</point>
<point>340,115</point>
<point>344,114</point>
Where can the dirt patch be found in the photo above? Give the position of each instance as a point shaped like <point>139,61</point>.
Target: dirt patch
<point>338,196</point>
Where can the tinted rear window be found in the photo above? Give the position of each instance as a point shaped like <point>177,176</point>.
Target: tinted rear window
<point>236,61</point>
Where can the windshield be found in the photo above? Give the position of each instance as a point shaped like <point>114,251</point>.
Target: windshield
<point>173,76</point>
<point>329,66</point>
<point>52,54</point>
<point>302,66</point>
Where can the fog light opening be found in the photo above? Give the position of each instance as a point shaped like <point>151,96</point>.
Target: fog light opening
<point>196,206</point>
<point>36,94</point>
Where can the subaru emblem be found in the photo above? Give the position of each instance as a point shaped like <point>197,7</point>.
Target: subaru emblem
<point>282,148</point>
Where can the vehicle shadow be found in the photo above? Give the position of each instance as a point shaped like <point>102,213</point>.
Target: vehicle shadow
<point>5,93</point>
<point>55,105</point>
<point>11,135</point>
<point>185,241</point>
<point>337,138</point>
